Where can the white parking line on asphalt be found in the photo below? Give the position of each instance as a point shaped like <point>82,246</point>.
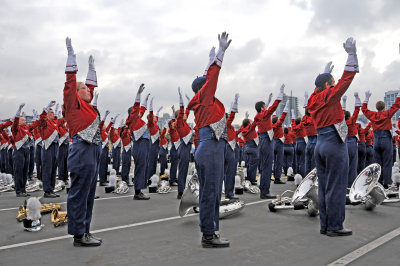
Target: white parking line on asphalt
<point>108,229</point>
<point>117,197</point>
<point>352,256</point>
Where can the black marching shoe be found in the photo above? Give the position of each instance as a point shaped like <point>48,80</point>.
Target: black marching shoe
<point>342,232</point>
<point>86,241</point>
<point>23,194</point>
<point>214,241</point>
<point>322,231</point>
<point>179,195</point>
<point>173,184</point>
<point>50,195</point>
<point>267,196</point>
<point>140,196</point>
<point>103,184</point>
<point>232,197</point>
<point>254,183</point>
<point>57,195</point>
<point>278,181</point>
<point>95,238</point>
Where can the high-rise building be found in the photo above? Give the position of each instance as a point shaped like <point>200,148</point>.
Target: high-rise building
<point>294,104</point>
<point>390,97</point>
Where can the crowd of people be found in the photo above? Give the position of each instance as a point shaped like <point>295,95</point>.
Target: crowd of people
<point>74,140</point>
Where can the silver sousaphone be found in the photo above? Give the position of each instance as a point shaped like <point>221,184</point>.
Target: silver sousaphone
<point>305,196</point>
<point>366,189</point>
<point>190,200</point>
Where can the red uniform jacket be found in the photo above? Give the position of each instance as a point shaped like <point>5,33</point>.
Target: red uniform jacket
<point>309,126</point>
<point>263,118</point>
<point>351,123</point>
<point>278,131</point>
<point>381,120</point>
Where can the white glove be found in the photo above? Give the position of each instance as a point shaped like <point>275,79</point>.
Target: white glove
<point>173,111</point>
<point>35,115</point>
<point>367,95</point>
<point>344,100</point>
<point>234,107</point>
<point>139,92</point>
<point>158,111</point>
<point>180,97</point>
<point>23,114</point>
<point>91,77</point>
<point>144,102</point>
<point>357,100</point>
<point>9,131</point>
<point>166,124</point>
<point>281,91</point>
<point>246,115</point>
<point>94,102</point>
<point>305,99</point>
<point>48,107</point>
<point>286,109</point>
<point>56,110</point>
<point>352,60</point>
<point>211,58</point>
<point>328,67</point>
<point>269,99</point>
<point>113,119</point>
<point>105,115</point>
<point>293,116</point>
<point>59,114</point>
<point>18,114</point>
<point>71,60</point>
<point>223,45</point>
<point>151,104</point>
<point>122,122</point>
<point>187,97</point>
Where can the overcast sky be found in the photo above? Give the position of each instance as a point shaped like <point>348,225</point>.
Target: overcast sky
<point>165,44</point>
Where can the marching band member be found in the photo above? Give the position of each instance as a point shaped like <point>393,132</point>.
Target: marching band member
<point>152,121</point>
<point>288,151</point>
<point>163,150</point>
<point>300,146</point>
<point>369,141</point>
<point>49,133</point>
<point>266,151</point>
<point>185,135</point>
<point>278,144</point>
<point>311,133</point>
<point>140,150</point>
<point>63,148</point>
<point>230,153</point>
<point>251,149</point>
<point>361,147</point>
<point>351,140</point>
<point>125,135</point>
<point>211,122</point>
<point>116,145</point>
<point>331,157</point>
<point>38,148</point>
<point>173,152</point>
<point>83,158</point>
<point>103,165</point>
<point>382,126</point>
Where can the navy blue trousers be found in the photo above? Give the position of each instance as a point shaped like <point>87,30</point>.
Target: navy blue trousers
<point>266,158</point>
<point>83,165</point>
<point>301,157</point>
<point>229,170</point>
<point>62,161</point>
<point>288,154</point>
<point>153,156</point>
<point>237,154</point>
<point>252,154</point>
<point>294,159</point>
<point>383,155</point>
<point>210,158</point>
<point>174,159</point>
<point>278,158</point>
<point>31,160</point>
<point>183,165</point>
<point>38,161</point>
<point>21,167</point>
<point>49,167</point>
<point>11,160</point>
<point>126,164</point>
<point>394,153</point>
<point>310,160</point>
<point>163,160</point>
<point>4,161</point>
<point>332,165</point>
<point>352,151</point>
<point>116,156</point>
<point>140,153</point>
<point>362,156</point>
<point>103,168</point>
<point>370,158</point>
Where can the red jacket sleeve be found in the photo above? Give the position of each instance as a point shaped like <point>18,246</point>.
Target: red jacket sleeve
<point>207,92</point>
<point>281,120</point>
<point>341,87</point>
<point>355,114</point>
<point>231,117</point>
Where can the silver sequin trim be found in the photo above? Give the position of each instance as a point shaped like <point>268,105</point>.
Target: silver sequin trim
<point>257,141</point>
<point>177,144</point>
<point>342,130</point>
<point>306,139</point>
<point>47,142</point>
<point>232,144</point>
<point>91,134</point>
<point>21,142</point>
<point>63,138</point>
<point>127,147</point>
<point>155,137</point>
<point>165,146</point>
<point>10,146</point>
<point>104,143</point>
<point>219,129</point>
<point>38,141</point>
<point>139,133</point>
<point>282,139</point>
<point>187,138</point>
<point>115,144</point>
<point>271,134</point>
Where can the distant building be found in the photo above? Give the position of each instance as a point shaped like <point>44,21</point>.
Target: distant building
<point>294,104</point>
<point>390,97</point>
